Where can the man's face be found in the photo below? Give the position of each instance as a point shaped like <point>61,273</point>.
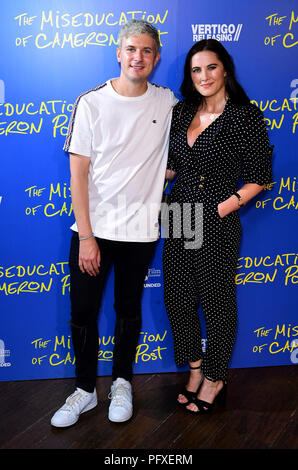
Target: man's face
<point>137,57</point>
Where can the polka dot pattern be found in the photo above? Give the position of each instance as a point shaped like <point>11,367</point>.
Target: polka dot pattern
<point>234,146</point>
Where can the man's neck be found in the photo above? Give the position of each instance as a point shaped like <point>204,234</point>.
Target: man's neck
<point>130,89</point>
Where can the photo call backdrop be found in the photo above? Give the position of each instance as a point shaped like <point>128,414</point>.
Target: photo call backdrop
<point>52,51</point>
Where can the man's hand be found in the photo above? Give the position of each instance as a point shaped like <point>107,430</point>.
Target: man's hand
<point>170,174</point>
<point>89,257</point>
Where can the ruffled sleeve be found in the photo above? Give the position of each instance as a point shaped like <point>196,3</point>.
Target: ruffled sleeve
<point>257,152</point>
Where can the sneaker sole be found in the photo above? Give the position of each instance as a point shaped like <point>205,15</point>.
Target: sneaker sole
<point>115,420</point>
<point>71,423</point>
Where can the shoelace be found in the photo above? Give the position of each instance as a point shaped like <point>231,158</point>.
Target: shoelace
<point>119,394</point>
<point>72,400</point>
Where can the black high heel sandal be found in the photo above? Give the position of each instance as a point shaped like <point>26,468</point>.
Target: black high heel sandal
<point>190,396</point>
<point>204,406</point>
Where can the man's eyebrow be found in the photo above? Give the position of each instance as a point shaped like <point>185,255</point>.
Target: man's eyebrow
<point>145,47</point>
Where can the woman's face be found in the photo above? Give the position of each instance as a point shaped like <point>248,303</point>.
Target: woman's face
<point>207,73</point>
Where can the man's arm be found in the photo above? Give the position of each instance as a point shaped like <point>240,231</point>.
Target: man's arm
<point>89,254</point>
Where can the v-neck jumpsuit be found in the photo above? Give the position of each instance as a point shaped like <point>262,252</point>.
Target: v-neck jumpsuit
<point>235,145</point>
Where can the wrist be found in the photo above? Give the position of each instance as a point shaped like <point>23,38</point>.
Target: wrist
<point>86,237</point>
<point>239,199</point>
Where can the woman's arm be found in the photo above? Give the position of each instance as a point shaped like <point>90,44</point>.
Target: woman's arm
<point>247,192</point>
<point>256,162</point>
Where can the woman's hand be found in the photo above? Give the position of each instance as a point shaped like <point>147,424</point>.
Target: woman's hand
<point>226,207</point>
<point>220,210</point>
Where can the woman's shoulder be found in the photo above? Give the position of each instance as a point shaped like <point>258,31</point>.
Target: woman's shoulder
<point>180,105</point>
<point>246,113</point>
<point>182,108</point>
<point>246,109</point>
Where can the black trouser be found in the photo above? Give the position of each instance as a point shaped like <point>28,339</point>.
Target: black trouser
<point>131,261</point>
<point>204,276</point>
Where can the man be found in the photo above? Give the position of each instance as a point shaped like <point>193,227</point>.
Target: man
<point>117,141</point>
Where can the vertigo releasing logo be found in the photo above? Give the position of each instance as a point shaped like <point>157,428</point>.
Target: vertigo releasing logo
<point>221,32</point>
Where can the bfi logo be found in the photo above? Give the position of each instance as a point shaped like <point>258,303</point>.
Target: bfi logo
<point>3,354</point>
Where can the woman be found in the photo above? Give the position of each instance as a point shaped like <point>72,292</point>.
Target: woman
<point>217,136</point>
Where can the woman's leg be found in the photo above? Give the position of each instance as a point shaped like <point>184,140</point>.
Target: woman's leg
<point>216,270</point>
<point>181,301</point>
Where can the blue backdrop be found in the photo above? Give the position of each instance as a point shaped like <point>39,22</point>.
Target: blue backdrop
<point>53,50</point>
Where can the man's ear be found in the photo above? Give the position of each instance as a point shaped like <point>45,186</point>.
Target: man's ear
<point>156,58</point>
<point>118,54</point>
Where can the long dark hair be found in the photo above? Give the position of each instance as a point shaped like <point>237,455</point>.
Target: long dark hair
<point>234,89</point>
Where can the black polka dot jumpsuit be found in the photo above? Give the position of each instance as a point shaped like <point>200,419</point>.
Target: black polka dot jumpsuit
<point>233,146</point>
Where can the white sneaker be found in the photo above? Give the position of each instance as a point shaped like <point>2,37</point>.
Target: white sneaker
<point>77,403</point>
<point>120,409</point>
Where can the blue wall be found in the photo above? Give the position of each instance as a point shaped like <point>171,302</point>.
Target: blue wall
<point>52,51</point>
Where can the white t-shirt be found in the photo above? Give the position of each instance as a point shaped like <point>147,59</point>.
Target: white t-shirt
<point>126,139</point>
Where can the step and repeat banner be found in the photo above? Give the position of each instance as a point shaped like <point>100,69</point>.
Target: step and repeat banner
<point>53,50</point>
